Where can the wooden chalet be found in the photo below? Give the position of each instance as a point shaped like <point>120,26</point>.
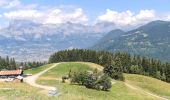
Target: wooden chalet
<point>11,73</point>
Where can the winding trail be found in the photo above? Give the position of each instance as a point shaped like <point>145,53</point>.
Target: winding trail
<point>100,68</point>
<point>31,80</point>
<point>143,91</point>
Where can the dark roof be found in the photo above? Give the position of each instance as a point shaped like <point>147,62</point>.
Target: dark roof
<point>11,72</point>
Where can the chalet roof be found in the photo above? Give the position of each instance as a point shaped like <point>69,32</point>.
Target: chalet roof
<point>11,72</point>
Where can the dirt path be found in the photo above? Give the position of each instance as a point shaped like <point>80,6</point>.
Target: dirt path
<point>143,91</point>
<point>100,68</point>
<point>31,80</point>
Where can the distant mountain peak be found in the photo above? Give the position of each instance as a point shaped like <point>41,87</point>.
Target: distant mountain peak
<point>110,37</point>
<point>152,40</point>
<point>29,41</point>
<point>156,23</point>
<point>116,30</point>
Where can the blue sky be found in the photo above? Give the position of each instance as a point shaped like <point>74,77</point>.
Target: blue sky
<point>85,11</point>
<point>100,5</point>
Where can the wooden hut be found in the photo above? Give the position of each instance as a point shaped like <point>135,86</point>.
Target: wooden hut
<point>10,73</point>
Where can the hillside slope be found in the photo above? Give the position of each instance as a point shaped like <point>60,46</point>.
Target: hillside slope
<point>108,38</point>
<point>141,87</point>
<point>119,89</point>
<point>150,40</point>
<point>149,84</point>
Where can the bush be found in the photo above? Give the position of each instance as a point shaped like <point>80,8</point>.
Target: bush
<point>104,83</point>
<point>90,82</point>
<point>93,81</point>
<point>79,77</point>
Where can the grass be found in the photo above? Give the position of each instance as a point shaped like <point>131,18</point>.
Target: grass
<point>64,68</point>
<point>37,70</point>
<point>149,84</point>
<point>118,91</point>
<point>20,91</point>
<point>75,92</point>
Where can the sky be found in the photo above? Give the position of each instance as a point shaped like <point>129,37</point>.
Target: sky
<point>120,12</point>
<point>100,5</point>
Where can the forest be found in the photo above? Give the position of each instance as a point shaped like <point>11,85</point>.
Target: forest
<point>7,63</point>
<point>115,64</point>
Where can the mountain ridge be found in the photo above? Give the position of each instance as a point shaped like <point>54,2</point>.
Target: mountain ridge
<point>152,40</point>
<point>26,40</point>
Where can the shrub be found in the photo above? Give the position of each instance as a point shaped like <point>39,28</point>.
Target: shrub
<point>90,82</point>
<point>94,81</point>
<point>79,77</point>
<point>104,82</point>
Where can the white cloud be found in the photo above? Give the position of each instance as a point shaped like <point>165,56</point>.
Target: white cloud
<point>168,17</point>
<point>23,14</point>
<point>0,19</point>
<point>52,16</point>
<point>13,3</point>
<point>9,3</point>
<point>59,16</point>
<point>146,14</point>
<point>127,18</point>
<point>3,2</point>
<point>62,14</point>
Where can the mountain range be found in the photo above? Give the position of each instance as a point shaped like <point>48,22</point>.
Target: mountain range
<point>30,41</point>
<point>151,40</point>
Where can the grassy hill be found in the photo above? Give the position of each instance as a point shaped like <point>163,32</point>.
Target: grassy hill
<point>149,84</point>
<point>119,90</point>
<point>63,69</point>
<point>36,70</point>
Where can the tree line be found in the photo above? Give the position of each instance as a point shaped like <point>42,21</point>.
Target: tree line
<point>99,57</point>
<point>135,64</point>
<point>115,64</point>
<point>30,65</point>
<point>7,63</point>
